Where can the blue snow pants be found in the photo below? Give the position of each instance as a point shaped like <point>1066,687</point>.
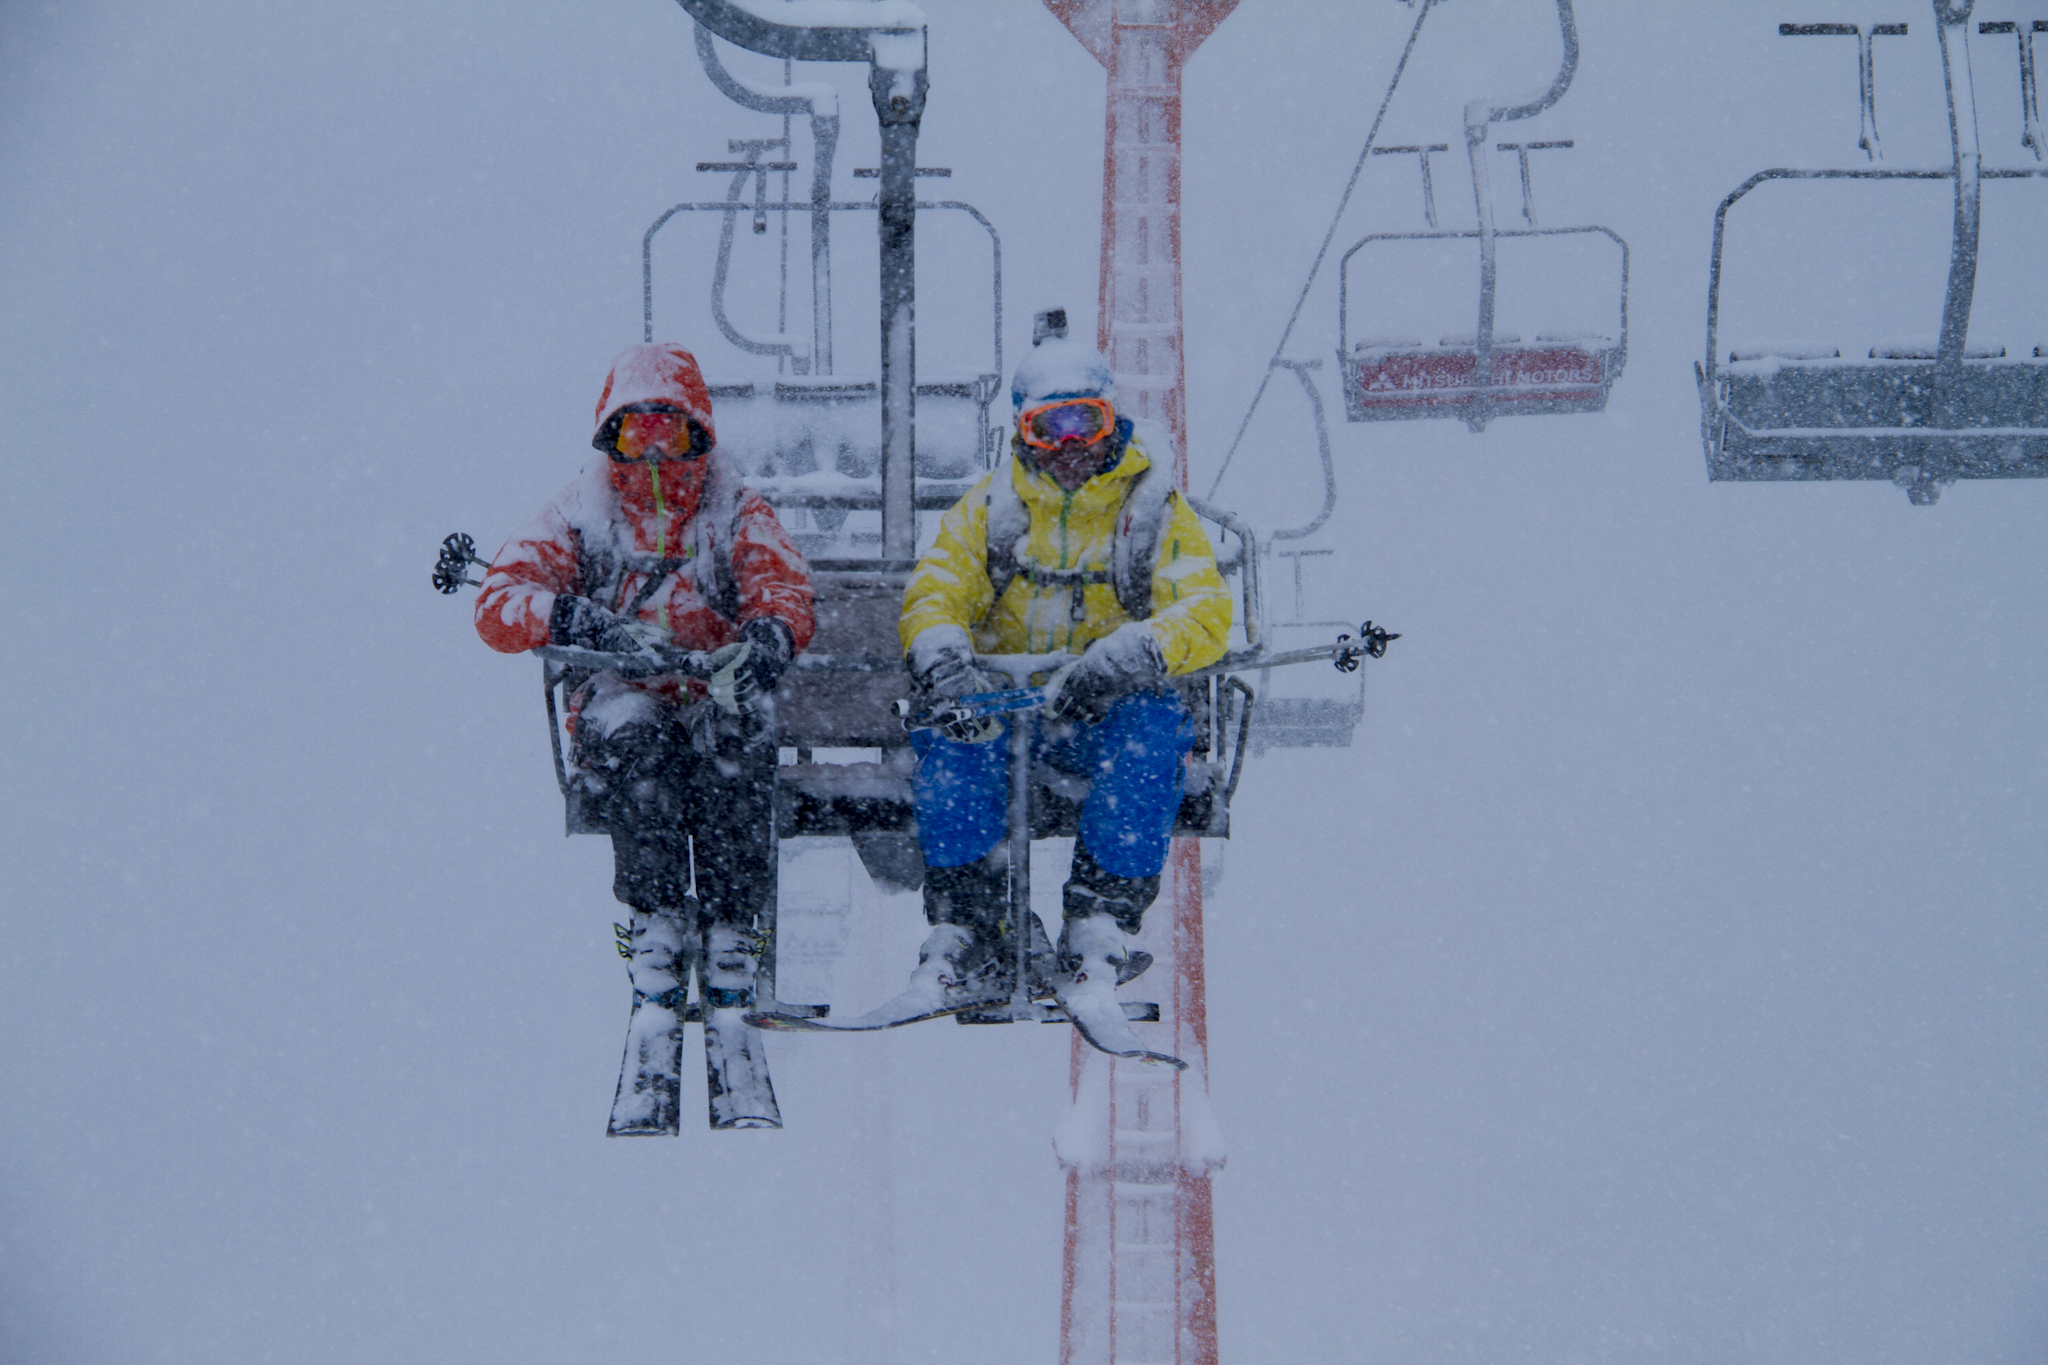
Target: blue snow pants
<point>1133,757</point>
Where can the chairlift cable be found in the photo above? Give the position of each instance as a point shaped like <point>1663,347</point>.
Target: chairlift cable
<point>1352,184</point>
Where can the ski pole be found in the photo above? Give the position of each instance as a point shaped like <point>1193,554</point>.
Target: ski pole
<point>1345,653</point>
<point>719,667</point>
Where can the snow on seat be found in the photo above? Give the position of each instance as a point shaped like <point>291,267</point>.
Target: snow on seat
<point>792,427</point>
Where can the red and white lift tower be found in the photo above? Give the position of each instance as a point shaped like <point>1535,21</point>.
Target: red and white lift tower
<point>1140,1142</point>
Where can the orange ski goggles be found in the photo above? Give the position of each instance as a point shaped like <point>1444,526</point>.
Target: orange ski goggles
<point>1052,425</point>
<point>641,431</point>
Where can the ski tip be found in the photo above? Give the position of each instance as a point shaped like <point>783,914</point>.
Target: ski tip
<point>1133,1054</point>
<point>746,1121</point>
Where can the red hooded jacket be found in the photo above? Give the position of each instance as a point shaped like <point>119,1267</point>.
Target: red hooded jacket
<point>680,542</point>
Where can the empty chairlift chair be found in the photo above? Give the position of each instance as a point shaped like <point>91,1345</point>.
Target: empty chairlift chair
<point>1486,373</point>
<point>1920,414</point>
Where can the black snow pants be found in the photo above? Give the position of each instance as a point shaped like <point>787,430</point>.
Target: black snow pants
<point>662,790</point>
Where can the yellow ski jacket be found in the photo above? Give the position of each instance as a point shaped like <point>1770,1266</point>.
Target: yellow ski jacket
<point>1191,608</point>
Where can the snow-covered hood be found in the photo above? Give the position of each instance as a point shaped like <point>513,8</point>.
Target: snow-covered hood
<point>663,373</point>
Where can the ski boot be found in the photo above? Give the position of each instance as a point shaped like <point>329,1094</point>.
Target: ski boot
<point>732,952</point>
<point>650,1076</point>
<point>957,969</point>
<point>1094,955</point>
<point>1092,889</point>
<point>1041,967</point>
<point>961,965</point>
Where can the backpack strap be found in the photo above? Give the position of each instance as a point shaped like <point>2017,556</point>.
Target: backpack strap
<point>713,531</point>
<point>1079,580</point>
<point>1134,549</point>
<point>1008,525</point>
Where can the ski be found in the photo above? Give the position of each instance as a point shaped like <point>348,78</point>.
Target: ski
<point>739,1093</point>
<point>736,1073</point>
<point>1105,1022</point>
<point>1051,1012</point>
<point>735,1057</point>
<point>648,1101</point>
<point>907,1008</point>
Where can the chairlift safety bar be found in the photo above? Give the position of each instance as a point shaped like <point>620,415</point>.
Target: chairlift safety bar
<point>1713,359</point>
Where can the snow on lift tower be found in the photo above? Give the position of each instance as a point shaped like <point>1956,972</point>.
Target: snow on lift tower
<point>1921,415</point>
<point>1484,374</point>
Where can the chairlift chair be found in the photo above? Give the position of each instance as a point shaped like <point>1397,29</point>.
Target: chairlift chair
<point>1920,414</point>
<point>1486,373</point>
<point>808,443</point>
<point>839,695</point>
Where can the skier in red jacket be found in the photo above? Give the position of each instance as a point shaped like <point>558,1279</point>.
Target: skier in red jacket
<point>659,541</point>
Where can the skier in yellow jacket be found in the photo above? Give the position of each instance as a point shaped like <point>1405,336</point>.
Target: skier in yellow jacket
<point>1076,542</point>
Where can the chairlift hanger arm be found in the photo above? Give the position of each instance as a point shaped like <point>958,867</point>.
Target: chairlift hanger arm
<point>813,98</point>
<point>1480,112</point>
<point>890,36</point>
<point>995,242</point>
<point>821,103</point>
<point>1480,115</point>
<point>819,30</point>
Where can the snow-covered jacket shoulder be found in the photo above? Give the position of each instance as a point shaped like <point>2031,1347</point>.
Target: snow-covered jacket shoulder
<point>701,565</point>
<point>1070,547</point>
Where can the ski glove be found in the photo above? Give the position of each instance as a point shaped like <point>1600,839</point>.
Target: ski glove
<point>774,646</point>
<point>751,665</point>
<point>942,662</point>
<point>1124,661</point>
<point>581,622</point>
